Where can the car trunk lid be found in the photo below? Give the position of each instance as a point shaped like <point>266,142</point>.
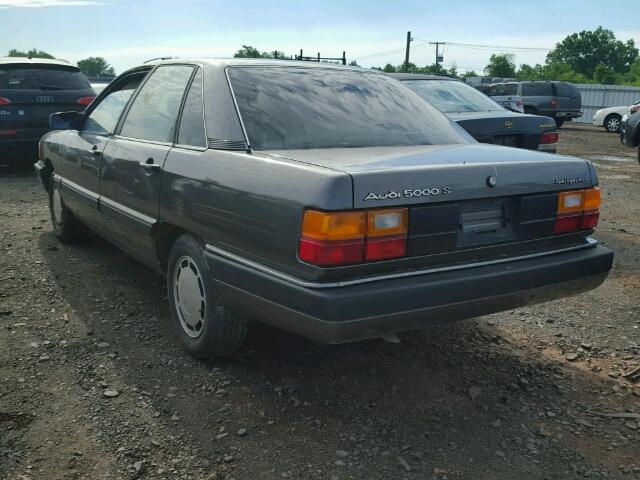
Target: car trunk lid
<point>393,176</point>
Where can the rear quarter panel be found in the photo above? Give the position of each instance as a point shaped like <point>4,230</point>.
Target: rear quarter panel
<point>248,204</point>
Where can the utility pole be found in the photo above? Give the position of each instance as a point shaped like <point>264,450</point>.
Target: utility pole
<point>406,55</point>
<point>438,57</point>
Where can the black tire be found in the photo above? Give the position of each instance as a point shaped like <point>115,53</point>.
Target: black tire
<point>612,123</point>
<point>210,330</point>
<point>67,228</point>
<point>530,111</point>
<point>638,153</point>
<point>559,122</point>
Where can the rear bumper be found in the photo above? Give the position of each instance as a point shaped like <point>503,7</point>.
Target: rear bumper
<point>548,147</point>
<point>356,310</point>
<point>566,115</point>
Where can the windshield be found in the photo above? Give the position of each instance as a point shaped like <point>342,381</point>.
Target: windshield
<point>451,96</point>
<point>38,78</point>
<point>297,107</point>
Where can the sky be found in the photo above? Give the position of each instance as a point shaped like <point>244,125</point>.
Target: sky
<point>128,32</point>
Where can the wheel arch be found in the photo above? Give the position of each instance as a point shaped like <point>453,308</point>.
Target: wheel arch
<point>164,235</point>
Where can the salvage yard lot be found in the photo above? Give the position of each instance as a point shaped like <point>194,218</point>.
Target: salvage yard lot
<point>93,383</point>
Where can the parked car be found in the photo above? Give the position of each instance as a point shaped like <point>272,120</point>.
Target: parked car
<point>559,100</point>
<point>630,128</point>
<point>30,90</point>
<point>506,95</point>
<point>610,118</point>
<point>329,201</point>
<point>484,119</point>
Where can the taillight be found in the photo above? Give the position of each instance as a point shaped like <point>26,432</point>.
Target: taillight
<point>4,101</point>
<point>554,103</point>
<point>8,133</point>
<point>85,100</point>
<point>343,238</point>
<point>549,137</point>
<point>577,210</point>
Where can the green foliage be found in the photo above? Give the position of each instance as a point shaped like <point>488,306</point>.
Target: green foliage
<point>501,65</point>
<point>604,75</point>
<point>353,63</point>
<point>470,73</point>
<point>33,53</point>
<point>96,67</point>
<point>584,52</point>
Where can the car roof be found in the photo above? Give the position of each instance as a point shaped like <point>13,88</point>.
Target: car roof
<point>36,61</point>
<point>228,62</point>
<point>420,76</point>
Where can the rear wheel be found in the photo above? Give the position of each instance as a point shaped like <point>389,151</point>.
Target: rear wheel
<point>559,122</point>
<point>206,328</point>
<point>530,110</point>
<point>638,153</point>
<point>65,225</point>
<point>612,123</point>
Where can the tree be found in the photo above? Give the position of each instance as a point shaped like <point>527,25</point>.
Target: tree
<point>604,75</point>
<point>33,53</point>
<point>96,67</point>
<point>584,51</point>
<point>353,63</point>
<point>467,74</point>
<point>388,68</point>
<point>501,65</point>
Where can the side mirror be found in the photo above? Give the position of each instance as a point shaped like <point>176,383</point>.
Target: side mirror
<point>65,120</point>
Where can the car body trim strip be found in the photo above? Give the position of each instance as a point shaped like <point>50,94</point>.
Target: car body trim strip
<point>127,212</point>
<point>303,283</point>
<point>84,192</point>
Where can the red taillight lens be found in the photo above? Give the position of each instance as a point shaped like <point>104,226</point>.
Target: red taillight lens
<point>549,137</point>
<point>554,103</point>
<point>8,133</point>
<point>4,101</point>
<point>577,210</point>
<point>385,248</point>
<point>85,100</point>
<point>343,238</point>
<point>327,254</point>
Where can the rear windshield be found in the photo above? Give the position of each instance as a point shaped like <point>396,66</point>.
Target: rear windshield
<point>452,96</point>
<point>297,107</point>
<point>39,78</point>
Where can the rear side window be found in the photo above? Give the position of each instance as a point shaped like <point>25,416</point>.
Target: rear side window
<point>38,78</point>
<point>103,118</point>
<point>154,111</point>
<point>566,90</point>
<point>536,89</point>
<point>191,130</point>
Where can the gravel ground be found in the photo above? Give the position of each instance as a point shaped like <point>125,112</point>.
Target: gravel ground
<point>94,385</point>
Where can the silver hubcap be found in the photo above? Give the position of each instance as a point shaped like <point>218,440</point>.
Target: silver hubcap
<point>57,207</point>
<point>613,124</point>
<point>189,297</point>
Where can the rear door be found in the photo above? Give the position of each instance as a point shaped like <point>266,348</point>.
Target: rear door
<point>134,158</point>
<point>538,95</point>
<point>29,93</point>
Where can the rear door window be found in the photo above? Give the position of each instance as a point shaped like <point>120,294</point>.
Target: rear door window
<point>191,130</point>
<point>38,78</point>
<point>536,89</point>
<point>154,111</point>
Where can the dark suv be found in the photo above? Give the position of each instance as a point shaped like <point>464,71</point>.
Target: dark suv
<point>31,90</point>
<point>559,100</point>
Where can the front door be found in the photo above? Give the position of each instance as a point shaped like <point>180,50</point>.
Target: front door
<point>134,158</point>
<point>84,148</point>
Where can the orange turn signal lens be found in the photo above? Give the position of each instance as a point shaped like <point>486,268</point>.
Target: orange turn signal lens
<point>592,199</point>
<point>387,222</point>
<point>333,225</point>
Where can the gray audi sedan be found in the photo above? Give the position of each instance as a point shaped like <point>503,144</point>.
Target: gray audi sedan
<point>329,201</point>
